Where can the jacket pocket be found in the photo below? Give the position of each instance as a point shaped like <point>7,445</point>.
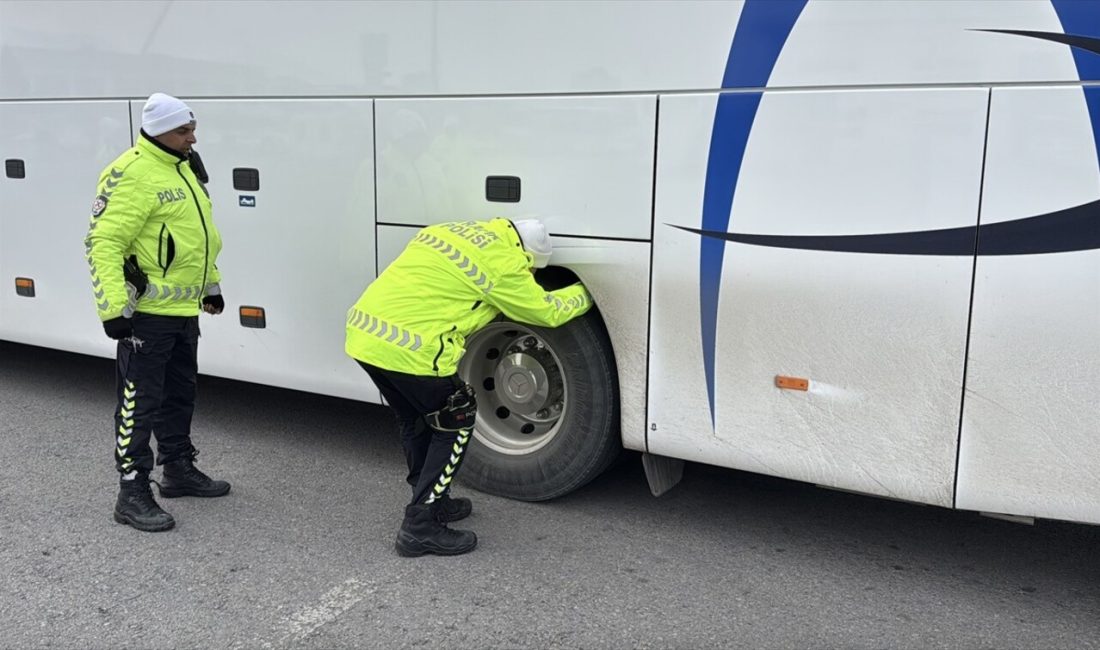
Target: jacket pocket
<point>166,249</point>
<point>443,346</point>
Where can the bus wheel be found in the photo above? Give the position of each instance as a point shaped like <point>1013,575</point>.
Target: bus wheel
<point>547,408</point>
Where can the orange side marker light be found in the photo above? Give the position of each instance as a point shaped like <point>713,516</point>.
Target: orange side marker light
<point>792,383</point>
<point>253,317</point>
<point>24,287</point>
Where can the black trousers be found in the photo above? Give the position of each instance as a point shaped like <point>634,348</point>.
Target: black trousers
<point>433,456</point>
<point>156,391</point>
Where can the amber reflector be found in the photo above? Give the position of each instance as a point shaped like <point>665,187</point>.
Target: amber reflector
<point>792,383</point>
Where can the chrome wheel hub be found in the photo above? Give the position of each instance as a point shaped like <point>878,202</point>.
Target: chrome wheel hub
<point>521,391</point>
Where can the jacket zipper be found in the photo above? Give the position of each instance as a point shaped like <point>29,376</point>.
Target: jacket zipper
<point>205,233</point>
<point>160,251</point>
<point>168,247</point>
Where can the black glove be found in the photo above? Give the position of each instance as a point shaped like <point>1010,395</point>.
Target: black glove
<point>118,328</point>
<point>217,302</point>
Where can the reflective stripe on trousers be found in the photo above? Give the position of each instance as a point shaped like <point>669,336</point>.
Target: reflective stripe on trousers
<point>447,475</point>
<point>126,408</point>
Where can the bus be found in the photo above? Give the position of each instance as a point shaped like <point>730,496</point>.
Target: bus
<point>845,242</point>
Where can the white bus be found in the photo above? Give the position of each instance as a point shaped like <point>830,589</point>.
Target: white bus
<point>851,243</point>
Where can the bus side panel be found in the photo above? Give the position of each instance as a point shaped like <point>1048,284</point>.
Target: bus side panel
<point>585,164</point>
<point>375,48</point>
<point>880,334</point>
<point>1031,420</point>
<point>301,246</point>
<point>44,218</point>
<point>507,48</point>
<point>871,42</point>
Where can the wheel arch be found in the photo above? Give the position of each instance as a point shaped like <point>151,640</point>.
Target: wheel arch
<point>617,274</point>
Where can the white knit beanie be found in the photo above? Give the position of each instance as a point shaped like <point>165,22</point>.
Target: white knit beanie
<point>162,113</point>
<point>535,240</point>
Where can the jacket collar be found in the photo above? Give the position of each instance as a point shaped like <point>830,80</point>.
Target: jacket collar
<point>508,229</point>
<point>156,150</point>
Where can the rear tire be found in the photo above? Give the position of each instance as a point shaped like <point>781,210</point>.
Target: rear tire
<point>548,408</point>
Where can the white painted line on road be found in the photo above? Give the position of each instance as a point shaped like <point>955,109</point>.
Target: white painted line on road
<point>307,620</point>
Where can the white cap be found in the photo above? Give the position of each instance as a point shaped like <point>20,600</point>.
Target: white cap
<point>535,240</point>
<point>162,113</point>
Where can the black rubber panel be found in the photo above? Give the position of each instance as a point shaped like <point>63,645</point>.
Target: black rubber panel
<point>15,168</point>
<point>502,189</point>
<point>246,179</point>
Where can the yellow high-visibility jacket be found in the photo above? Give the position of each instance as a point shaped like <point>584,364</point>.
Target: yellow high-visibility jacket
<point>450,281</point>
<point>150,204</point>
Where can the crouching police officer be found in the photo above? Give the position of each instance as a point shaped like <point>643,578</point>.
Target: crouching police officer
<point>151,247</point>
<point>408,331</point>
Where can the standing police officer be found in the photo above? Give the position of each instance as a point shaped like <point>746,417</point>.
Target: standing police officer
<point>408,331</point>
<point>152,216</point>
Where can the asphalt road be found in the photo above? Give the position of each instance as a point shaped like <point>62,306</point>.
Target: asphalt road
<point>300,554</point>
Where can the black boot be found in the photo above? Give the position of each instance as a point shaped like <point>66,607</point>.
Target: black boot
<point>421,532</point>
<point>136,507</point>
<point>450,509</point>
<point>183,479</point>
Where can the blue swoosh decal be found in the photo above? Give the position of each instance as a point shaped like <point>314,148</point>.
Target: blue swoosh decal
<point>1064,231</point>
<point>1084,18</point>
<point>1079,17</point>
<point>761,32</point>
<point>1084,42</point>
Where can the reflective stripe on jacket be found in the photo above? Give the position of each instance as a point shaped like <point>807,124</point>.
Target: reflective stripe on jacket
<point>450,281</point>
<point>150,205</point>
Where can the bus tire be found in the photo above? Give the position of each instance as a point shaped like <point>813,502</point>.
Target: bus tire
<point>523,447</point>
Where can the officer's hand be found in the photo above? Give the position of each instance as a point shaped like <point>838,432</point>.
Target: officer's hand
<point>213,304</point>
<point>118,328</point>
